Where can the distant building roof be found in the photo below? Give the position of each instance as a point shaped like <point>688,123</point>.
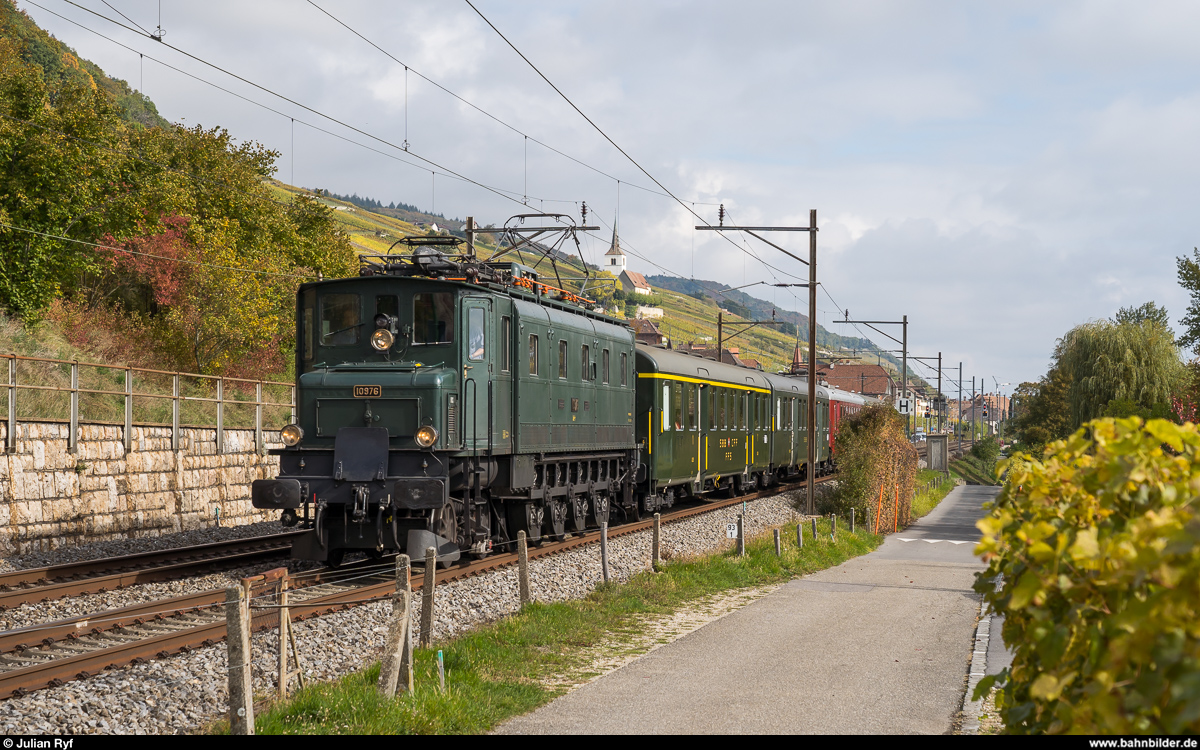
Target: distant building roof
<point>646,332</point>
<point>636,279</point>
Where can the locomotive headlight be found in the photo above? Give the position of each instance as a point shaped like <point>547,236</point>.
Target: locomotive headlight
<point>382,339</point>
<point>426,436</point>
<point>291,435</point>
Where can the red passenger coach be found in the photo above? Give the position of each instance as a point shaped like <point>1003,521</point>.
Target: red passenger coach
<point>841,404</point>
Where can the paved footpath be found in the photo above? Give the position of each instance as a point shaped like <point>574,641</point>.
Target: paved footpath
<point>878,645</point>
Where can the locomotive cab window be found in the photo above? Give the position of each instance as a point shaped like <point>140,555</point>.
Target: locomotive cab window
<point>341,319</point>
<point>433,318</point>
<point>476,337</point>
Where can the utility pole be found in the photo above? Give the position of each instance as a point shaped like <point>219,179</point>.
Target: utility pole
<point>810,469</point>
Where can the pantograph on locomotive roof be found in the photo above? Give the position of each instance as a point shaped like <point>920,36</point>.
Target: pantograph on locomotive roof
<point>446,258</point>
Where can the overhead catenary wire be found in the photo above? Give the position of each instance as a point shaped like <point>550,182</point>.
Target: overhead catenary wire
<point>597,128</point>
<point>446,170</point>
<point>476,107</point>
<point>506,194</point>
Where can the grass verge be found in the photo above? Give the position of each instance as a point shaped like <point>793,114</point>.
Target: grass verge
<point>924,502</point>
<point>521,662</point>
<point>972,470</point>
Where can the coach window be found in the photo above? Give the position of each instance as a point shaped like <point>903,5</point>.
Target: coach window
<point>506,343</point>
<point>604,362</point>
<point>691,406</point>
<point>677,405</point>
<point>562,359</point>
<point>533,355</point>
<point>721,409</point>
<point>739,422</point>
<point>341,319</point>
<point>663,424</point>
<point>476,347</point>
<point>433,318</point>
<point>712,407</point>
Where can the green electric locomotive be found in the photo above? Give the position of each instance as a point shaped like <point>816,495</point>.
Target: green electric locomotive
<point>451,402</point>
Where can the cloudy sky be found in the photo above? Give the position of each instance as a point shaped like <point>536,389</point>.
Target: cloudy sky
<point>998,173</point>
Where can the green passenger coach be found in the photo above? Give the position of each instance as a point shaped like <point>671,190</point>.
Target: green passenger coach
<point>704,425</point>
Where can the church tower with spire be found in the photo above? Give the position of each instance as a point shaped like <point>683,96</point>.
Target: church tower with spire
<point>614,259</point>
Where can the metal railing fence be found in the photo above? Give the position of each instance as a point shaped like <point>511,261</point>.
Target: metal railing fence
<point>206,401</point>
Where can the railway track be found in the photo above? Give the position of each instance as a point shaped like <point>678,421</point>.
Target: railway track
<point>94,576</point>
<point>52,654</point>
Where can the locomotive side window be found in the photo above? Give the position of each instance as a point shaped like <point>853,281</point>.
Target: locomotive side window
<point>624,368</point>
<point>586,357</point>
<point>604,360</point>
<point>475,334</point>
<point>433,318</point>
<point>533,355</point>
<point>341,319</point>
<point>506,343</point>
<point>562,359</point>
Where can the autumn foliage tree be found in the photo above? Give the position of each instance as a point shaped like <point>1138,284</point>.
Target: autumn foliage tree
<point>877,467</point>
<point>200,252</point>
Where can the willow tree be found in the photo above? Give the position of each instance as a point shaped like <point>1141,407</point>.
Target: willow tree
<point>1106,361</point>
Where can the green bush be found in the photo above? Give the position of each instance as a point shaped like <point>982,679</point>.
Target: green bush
<point>1095,545</point>
<point>873,454</point>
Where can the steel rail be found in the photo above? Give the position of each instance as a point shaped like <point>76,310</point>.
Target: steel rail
<point>207,608</point>
<point>106,574</point>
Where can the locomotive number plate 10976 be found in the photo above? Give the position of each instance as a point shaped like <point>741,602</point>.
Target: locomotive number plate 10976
<point>368,391</point>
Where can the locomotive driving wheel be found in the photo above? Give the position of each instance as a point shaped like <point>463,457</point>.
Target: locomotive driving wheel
<point>577,514</point>
<point>556,520</point>
<point>599,509</point>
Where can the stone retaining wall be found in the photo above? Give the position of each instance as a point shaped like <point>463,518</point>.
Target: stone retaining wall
<point>50,498</point>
